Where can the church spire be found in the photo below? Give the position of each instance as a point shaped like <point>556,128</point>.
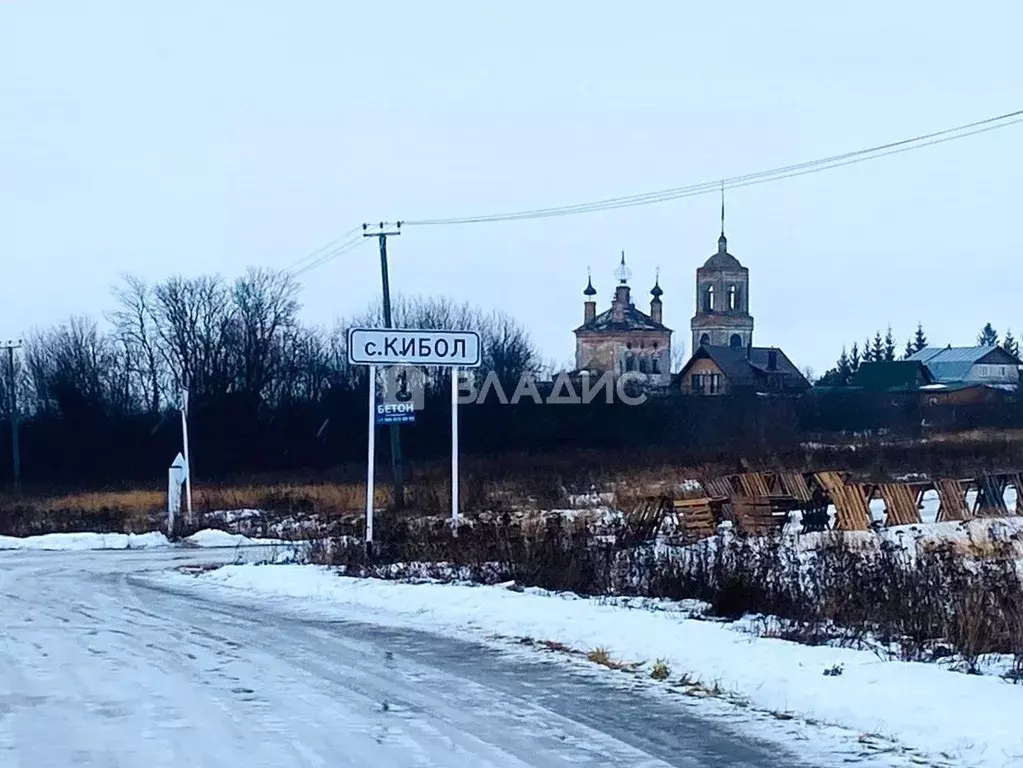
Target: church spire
<point>623,273</point>
<point>590,290</point>
<point>656,291</point>
<point>722,241</point>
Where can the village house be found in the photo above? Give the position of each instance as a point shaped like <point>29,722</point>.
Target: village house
<point>942,375</point>
<point>727,371</point>
<point>990,366</point>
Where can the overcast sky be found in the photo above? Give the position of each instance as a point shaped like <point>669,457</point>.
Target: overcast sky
<point>189,137</point>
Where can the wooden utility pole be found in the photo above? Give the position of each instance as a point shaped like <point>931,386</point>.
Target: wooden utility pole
<point>397,463</point>
<point>12,402</point>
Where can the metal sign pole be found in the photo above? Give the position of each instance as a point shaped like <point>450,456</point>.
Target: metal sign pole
<point>371,442</point>
<point>188,465</point>
<point>454,451</point>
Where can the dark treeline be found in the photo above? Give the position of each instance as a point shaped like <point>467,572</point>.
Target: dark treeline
<point>238,347</point>
<point>98,399</point>
<point>331,433</point>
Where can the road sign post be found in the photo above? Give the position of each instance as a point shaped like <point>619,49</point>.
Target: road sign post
<point>371,445</point>
<point>374,347</point>
<point>188,465</point>
<point>454,451</point>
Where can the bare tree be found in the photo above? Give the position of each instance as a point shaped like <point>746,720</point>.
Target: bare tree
<point>304,365</point>
<point>264,323</point>
<point>678,356</point>
<point>194,326</point>
<point>25,395</point>
<point>135,329</point>
<point>507,349</point>
<point>74,369</point>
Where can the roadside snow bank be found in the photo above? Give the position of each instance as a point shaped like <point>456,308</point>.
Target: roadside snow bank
<point>919,705</point>
<point>68,542</point>
<point>81,542</point>
<point>210,538</point>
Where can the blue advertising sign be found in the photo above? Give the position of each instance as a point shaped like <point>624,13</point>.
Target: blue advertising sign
<point>396,413</point>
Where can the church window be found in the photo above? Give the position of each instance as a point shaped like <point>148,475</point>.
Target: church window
<point>656,364</point>
<point>630,363</point>
<point>642,365</point>
<point>708,299</point>
<point>705,340</point>
<point>696,383</point>
<point>715,383</point>
<point>735,342</point>
<point>733,297</point>
<point>655,345</point>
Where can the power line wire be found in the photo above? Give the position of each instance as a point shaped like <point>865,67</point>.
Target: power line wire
<point>340,245</point>
<point>749,180</point>
<point>775,174</point>
<point>320,250</point>
<point>343,248</point>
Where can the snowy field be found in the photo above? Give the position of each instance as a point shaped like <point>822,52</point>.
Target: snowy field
<point>948,717</point>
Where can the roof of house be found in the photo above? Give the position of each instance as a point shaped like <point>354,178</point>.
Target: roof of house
<point>891,375</point>
<point>954,363</point>
<point>751,371</point>
<point>632,320</point>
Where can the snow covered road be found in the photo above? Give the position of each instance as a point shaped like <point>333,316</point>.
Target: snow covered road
<point>101,667</point>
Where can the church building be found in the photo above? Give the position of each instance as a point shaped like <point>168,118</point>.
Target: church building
<point>623,339</point>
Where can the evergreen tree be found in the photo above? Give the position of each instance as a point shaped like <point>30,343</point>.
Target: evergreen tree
<point>877,351</point>
<point>854,357</point>
<point>920,340</point>
<point>866,354</point>
<point>844,368</point>
<point>1009,343</point>
<point>988,336</point>
<point>889,346</point>
<point>909,350</point>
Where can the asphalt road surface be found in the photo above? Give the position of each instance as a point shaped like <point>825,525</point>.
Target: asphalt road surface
<point>99,667</point>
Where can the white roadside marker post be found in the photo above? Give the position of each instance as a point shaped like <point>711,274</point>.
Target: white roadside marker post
<point>370,494</point>
<point>175,479</point>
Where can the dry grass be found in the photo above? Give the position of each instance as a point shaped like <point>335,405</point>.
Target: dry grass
<point>602,657</point>
<point>660,671</point>
<point>140,510</point>
<point>327,498</point>
<point>554,645</point>
<point>978,436</point>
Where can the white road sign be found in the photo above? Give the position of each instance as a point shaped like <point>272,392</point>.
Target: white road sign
<point>403,346</point>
